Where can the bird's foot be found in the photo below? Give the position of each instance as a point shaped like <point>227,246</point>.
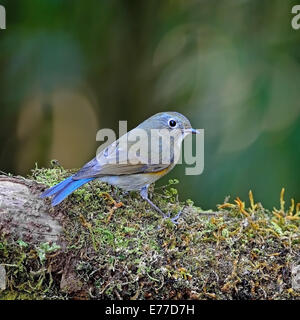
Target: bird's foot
<point>174,219</point>
<point>166,215</point>
<point>144,195</point>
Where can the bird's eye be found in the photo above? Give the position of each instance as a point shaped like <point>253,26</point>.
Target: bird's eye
<point>172,123</point>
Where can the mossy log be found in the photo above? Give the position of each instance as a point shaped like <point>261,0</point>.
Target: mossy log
<point>104,244</point>
<point>24,215</point>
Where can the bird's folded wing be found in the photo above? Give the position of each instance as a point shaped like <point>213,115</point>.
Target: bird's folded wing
<point>113,161</point>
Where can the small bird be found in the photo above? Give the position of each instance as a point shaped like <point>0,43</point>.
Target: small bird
<point>127,170</point>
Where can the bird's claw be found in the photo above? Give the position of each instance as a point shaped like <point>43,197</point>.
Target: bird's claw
<point>166,216</point>
<point>175,219</point>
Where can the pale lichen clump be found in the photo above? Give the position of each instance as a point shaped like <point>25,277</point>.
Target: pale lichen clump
<point>118,247</point>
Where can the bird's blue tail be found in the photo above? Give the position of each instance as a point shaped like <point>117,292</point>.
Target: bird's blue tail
<point>63,189</point>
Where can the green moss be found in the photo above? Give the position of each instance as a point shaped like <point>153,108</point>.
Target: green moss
<point>121,247</point>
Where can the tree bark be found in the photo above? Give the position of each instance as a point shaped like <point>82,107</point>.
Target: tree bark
<point>23,215</point>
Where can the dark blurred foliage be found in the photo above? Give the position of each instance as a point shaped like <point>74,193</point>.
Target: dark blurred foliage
<point>69,68</point>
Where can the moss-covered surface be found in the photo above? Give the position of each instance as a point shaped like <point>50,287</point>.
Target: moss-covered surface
<point>119,248</point>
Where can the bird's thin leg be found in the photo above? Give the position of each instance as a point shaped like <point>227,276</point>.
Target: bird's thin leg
<point>144,195</point>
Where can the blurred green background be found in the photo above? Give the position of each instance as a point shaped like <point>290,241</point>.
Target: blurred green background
<point>69,68</point>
